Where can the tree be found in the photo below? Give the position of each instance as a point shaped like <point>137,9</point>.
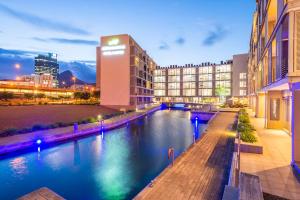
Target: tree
<point>221,91</point>
<point>40,96</point>
<point>28,96</point>
<point>82,95</point>
<point>96,94</point>
<point>6,96</point>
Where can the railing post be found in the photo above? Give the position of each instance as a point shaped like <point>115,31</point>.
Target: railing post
<point>75,127</point>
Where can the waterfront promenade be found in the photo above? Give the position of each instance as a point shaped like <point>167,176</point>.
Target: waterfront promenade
<point>273,166</point>
<point>22,141</point>
<point>201,172</point>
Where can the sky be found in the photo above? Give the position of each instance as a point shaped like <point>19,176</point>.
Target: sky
<point>171,31</point>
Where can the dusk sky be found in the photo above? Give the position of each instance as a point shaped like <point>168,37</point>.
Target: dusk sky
<point>172,31</point>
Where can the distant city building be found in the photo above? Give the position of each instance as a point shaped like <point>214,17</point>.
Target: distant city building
<point>41,81</point>
<point>47,64</point>
<point>204,83</point>
<point>124,72</point>
<point>274,68</point>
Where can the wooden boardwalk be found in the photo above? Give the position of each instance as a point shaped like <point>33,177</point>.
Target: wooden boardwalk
<point>202,172</point>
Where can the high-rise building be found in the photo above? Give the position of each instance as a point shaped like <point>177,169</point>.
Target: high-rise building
<point>124,73</point>
<point>47,64</point>
<point>204,83</point>
<point>274,67</point>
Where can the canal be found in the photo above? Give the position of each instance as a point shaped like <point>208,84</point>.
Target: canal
<point>116,165</point>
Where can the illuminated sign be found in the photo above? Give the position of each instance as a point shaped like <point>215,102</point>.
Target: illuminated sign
<point>113,48</point>
<point>114,41</point>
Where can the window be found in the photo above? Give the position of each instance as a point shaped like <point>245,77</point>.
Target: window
<point>205,77</point>
<point>205,70</point>
<point>173,71</point>
<point>243,75</point>
<point>189,71</point>
<point>173,78</point>
<point>223,76</point>
<point>189,78</point>
<point>223,68</point>
<point>159,92</point>
<point>158,79</point>
<point>189,85</point>
<point>174,92</point>
<point>189,92</point>
<point>243,92</point>
<point>159,85</point>
<point>243,84</point>
<point>205,84</point>
<point>173,85</point>
<point>160,72</point>
<point>205,92</point>
<point>226,84</point>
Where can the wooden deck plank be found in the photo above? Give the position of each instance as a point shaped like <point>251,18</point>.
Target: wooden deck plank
<point>201,172</point>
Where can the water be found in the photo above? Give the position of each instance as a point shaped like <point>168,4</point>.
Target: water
<point>117,166</point>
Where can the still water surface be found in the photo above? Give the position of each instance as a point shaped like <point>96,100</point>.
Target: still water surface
<point>116,166</point>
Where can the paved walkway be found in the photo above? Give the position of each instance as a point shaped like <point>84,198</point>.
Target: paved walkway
<point>201,172</point>
<point>273,167</point>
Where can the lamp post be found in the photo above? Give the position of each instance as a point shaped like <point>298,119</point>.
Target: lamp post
<point>74,80</point>
<point>100,119</point>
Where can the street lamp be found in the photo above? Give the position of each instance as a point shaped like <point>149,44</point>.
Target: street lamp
<point>74,80</point>
<point>100,119</point>
<point>17,66</point>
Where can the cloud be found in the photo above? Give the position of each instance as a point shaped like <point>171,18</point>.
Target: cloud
<point>214,36</point>
<point>180,41</point>
<point>164,46</point>
<point>42,23</point>
<point>15,53</point>
<point>68,41</point>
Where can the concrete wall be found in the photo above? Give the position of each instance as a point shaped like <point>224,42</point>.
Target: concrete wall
<point>240,65</point>
<point>296,126</point>
<point>98,67</point>
<point>115,74</point>
<point>260,105</point>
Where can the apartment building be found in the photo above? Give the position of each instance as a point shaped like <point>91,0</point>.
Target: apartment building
<point>124,73</point>
<point>274,67</point>
<point>203,83</point>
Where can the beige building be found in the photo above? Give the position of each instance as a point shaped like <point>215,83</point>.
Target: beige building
<point>203,83</point>
<point>274,67</point>
<point>38,81</point>
<point>124,73</point>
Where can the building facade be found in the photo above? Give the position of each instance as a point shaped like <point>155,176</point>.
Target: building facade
<point>37,81</point>
<point>47,64</point>
<point>204,83</point>
<point>124,73</point>
<point>274,67</point>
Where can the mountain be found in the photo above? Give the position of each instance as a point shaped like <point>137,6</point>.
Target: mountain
<point>66,77</point>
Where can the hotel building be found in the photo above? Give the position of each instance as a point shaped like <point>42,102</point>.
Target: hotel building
<point>124,73</point>
<point>47,64</point>
<point>274,67</point>
<point>204,83</point>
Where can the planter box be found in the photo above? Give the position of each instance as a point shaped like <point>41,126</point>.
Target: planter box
<point>246,147</point>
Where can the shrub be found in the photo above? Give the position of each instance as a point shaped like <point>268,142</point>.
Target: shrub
<point>6,96</point>
<point>9,132</point>
<point>38,127</point>
<point>92,120</point>
<point>244,118</point>
<point>248,137</point>
<point>28,96</point>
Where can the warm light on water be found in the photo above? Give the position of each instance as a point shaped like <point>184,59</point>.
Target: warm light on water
<point>115,166</point>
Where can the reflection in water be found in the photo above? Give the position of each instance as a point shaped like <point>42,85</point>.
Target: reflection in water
<point>117,166</point>
<point>110,176</point>
<point>76,153</point>
<point>18,165</point>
